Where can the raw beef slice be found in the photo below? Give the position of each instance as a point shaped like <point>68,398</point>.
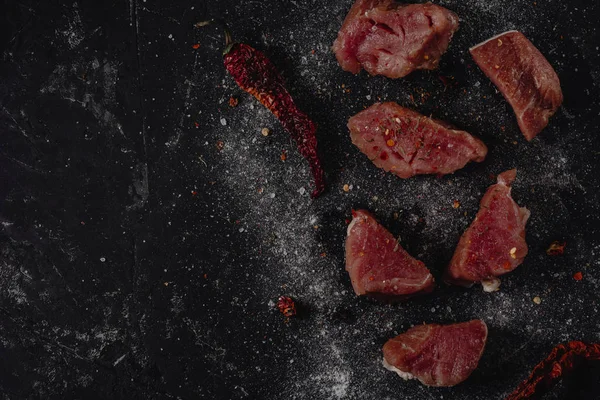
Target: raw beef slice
<point>392,39</point>
<point>437,355</point>
<point>378,265</point>
<point>494,244</point>
<point>407,143</point>
<point>523,76</point>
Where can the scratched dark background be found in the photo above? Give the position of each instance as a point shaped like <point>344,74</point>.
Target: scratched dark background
<point>147,228</point>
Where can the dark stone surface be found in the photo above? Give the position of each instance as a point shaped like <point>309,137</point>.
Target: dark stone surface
<point>139,261</point>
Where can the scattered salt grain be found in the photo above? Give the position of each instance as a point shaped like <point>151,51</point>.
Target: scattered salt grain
<point>102,259</point>
<point>302,191</point>
<point>223,121</point>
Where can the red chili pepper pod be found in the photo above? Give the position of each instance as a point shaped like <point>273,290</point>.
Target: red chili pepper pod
<point>562,360</point>
<point>257,75</point>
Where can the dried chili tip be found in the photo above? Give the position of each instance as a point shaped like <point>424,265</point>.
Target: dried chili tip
<point>556,248</point>
<point>578,276</point>
<point>286,306</point>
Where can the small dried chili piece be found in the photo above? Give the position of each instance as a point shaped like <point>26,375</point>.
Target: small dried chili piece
<point>286,306</point>
<point>563,359</point>
<point>257,75</point>
<point>556,248</point>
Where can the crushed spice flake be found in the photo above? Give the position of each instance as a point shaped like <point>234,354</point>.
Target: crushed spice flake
<point>390,142</point>
<point>456,204</point>
<point>220,145</point>
<point>265,132</point>
<point>283,155</point>
<point>578,276</point>
<point>286,306</point>
<point>556,248</point>
<point>233,102</point>
<point>196,124</point>
<point>513,252</point>
<point>346,188</point>
<point>537,300</point>
<point>196,46</point>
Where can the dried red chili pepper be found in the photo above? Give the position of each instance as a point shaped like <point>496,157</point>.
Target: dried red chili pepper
<point>257,75</point>
<point>556,248</point>
<point>563,359</point>
<point>286,306</point>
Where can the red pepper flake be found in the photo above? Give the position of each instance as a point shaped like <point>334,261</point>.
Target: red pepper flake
<point>283,155</point>
<point>220,145</point>
<point>578,276</point>
<point>257,75</point>
<point>286,306</point>
<point>556,248</point>
<point>233,102</point>
<point>194,193</point>
<point>196,46</point>
<point>456,204</point>
<point>205,276</point>
<point>562,360</point>
<point>323,254</point>
<point>196,124</point>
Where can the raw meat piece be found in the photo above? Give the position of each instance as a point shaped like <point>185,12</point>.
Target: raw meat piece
<point>378,265</point>
<point>494,244</point>
<point>392,39</point>
<point>437,355</point>
<point>523,76</point>
<point>407,143</point>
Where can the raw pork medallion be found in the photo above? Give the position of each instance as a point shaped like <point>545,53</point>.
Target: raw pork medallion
<point>407,143</point>
<point>494,244</point>
<point>393,39</point>
<point>523,76</point>
<point>437,355</point>
<point>378,265</point>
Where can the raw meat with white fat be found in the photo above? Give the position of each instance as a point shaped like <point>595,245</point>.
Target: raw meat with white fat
<point>494,244</point>
<point>523,76</point>
<point>437,355</point>
<point>378,265</point>
<point>392,39</point>
<point>406,143</point>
